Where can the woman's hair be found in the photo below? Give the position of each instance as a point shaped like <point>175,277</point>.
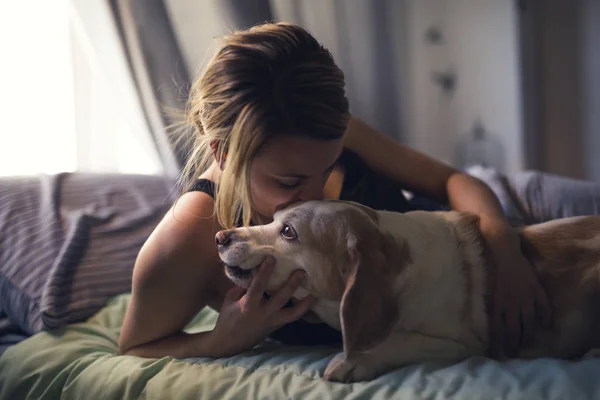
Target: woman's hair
<point>272,79</point>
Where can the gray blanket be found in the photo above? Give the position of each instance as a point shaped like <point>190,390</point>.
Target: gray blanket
<point>530,197</point>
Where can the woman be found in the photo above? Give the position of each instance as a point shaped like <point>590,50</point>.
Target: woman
<point>273,127</point>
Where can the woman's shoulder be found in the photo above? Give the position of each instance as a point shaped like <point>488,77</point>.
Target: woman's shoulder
<point>193,206</point>
<point>181,248</point>
<point>187,229</point>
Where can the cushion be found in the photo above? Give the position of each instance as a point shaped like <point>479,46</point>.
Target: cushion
<point>68,242</point>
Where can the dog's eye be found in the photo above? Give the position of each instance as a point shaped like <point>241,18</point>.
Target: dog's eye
<point>288,233</point>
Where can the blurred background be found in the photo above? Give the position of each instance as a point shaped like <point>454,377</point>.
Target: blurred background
<point>511,84</point>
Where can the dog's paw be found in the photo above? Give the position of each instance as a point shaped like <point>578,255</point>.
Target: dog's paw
<point>341,369</point>
<point>338,369</point>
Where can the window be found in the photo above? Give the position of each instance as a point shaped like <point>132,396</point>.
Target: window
<point>37,132</point>
<point>67,100</point>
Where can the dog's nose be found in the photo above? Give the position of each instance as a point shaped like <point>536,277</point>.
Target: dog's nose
<point>223,239</point>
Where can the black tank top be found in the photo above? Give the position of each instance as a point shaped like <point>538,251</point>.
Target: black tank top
<point>362,185</point>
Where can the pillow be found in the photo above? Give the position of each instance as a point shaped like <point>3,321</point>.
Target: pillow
<point>68,242</point>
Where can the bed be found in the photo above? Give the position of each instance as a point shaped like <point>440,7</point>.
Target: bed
<point>81,361</point>
<point>67,247</point>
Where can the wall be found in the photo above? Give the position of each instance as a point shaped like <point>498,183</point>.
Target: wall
<point>480,44</point>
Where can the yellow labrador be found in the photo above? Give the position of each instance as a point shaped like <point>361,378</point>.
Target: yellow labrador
<point>408,288</point>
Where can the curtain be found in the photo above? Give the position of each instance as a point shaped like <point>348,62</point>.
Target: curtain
<point>159,71</point>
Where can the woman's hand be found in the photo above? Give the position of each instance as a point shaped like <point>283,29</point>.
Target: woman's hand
<point>518,301</point>
<point>247,318</point>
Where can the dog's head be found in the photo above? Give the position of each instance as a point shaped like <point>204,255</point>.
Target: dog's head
<point>345,255</point>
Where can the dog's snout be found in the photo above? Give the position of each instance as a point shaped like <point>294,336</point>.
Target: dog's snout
<point>223,239</point>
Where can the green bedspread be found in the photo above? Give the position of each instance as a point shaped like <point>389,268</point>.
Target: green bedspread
<point>82,362</point>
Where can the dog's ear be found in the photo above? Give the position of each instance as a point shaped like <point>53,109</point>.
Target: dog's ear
<point>368,310</point>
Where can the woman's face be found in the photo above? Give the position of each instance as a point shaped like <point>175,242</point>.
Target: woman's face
<point>289,169</point>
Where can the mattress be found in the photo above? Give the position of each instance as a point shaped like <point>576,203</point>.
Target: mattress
<point>81,361</point>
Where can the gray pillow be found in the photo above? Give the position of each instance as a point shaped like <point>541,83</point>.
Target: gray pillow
<point>68,242</point>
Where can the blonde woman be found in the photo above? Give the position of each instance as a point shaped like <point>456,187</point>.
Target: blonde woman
<point>272,128</point>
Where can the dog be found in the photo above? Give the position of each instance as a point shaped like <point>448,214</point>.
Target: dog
<point>406,288</point>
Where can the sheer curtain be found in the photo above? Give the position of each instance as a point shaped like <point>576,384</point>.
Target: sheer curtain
<point>37,132</point>
<point>68,98</point>
<point>113,134</point>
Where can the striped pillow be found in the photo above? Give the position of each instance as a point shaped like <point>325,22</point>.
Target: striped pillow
<point>68,242</point>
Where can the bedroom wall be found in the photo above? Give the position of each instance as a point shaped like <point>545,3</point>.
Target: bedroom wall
<point>479,43</point>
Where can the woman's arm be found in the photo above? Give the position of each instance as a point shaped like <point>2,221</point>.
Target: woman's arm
<point>176,274</point>
<point>421,173</point>
<point>517,292</point>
